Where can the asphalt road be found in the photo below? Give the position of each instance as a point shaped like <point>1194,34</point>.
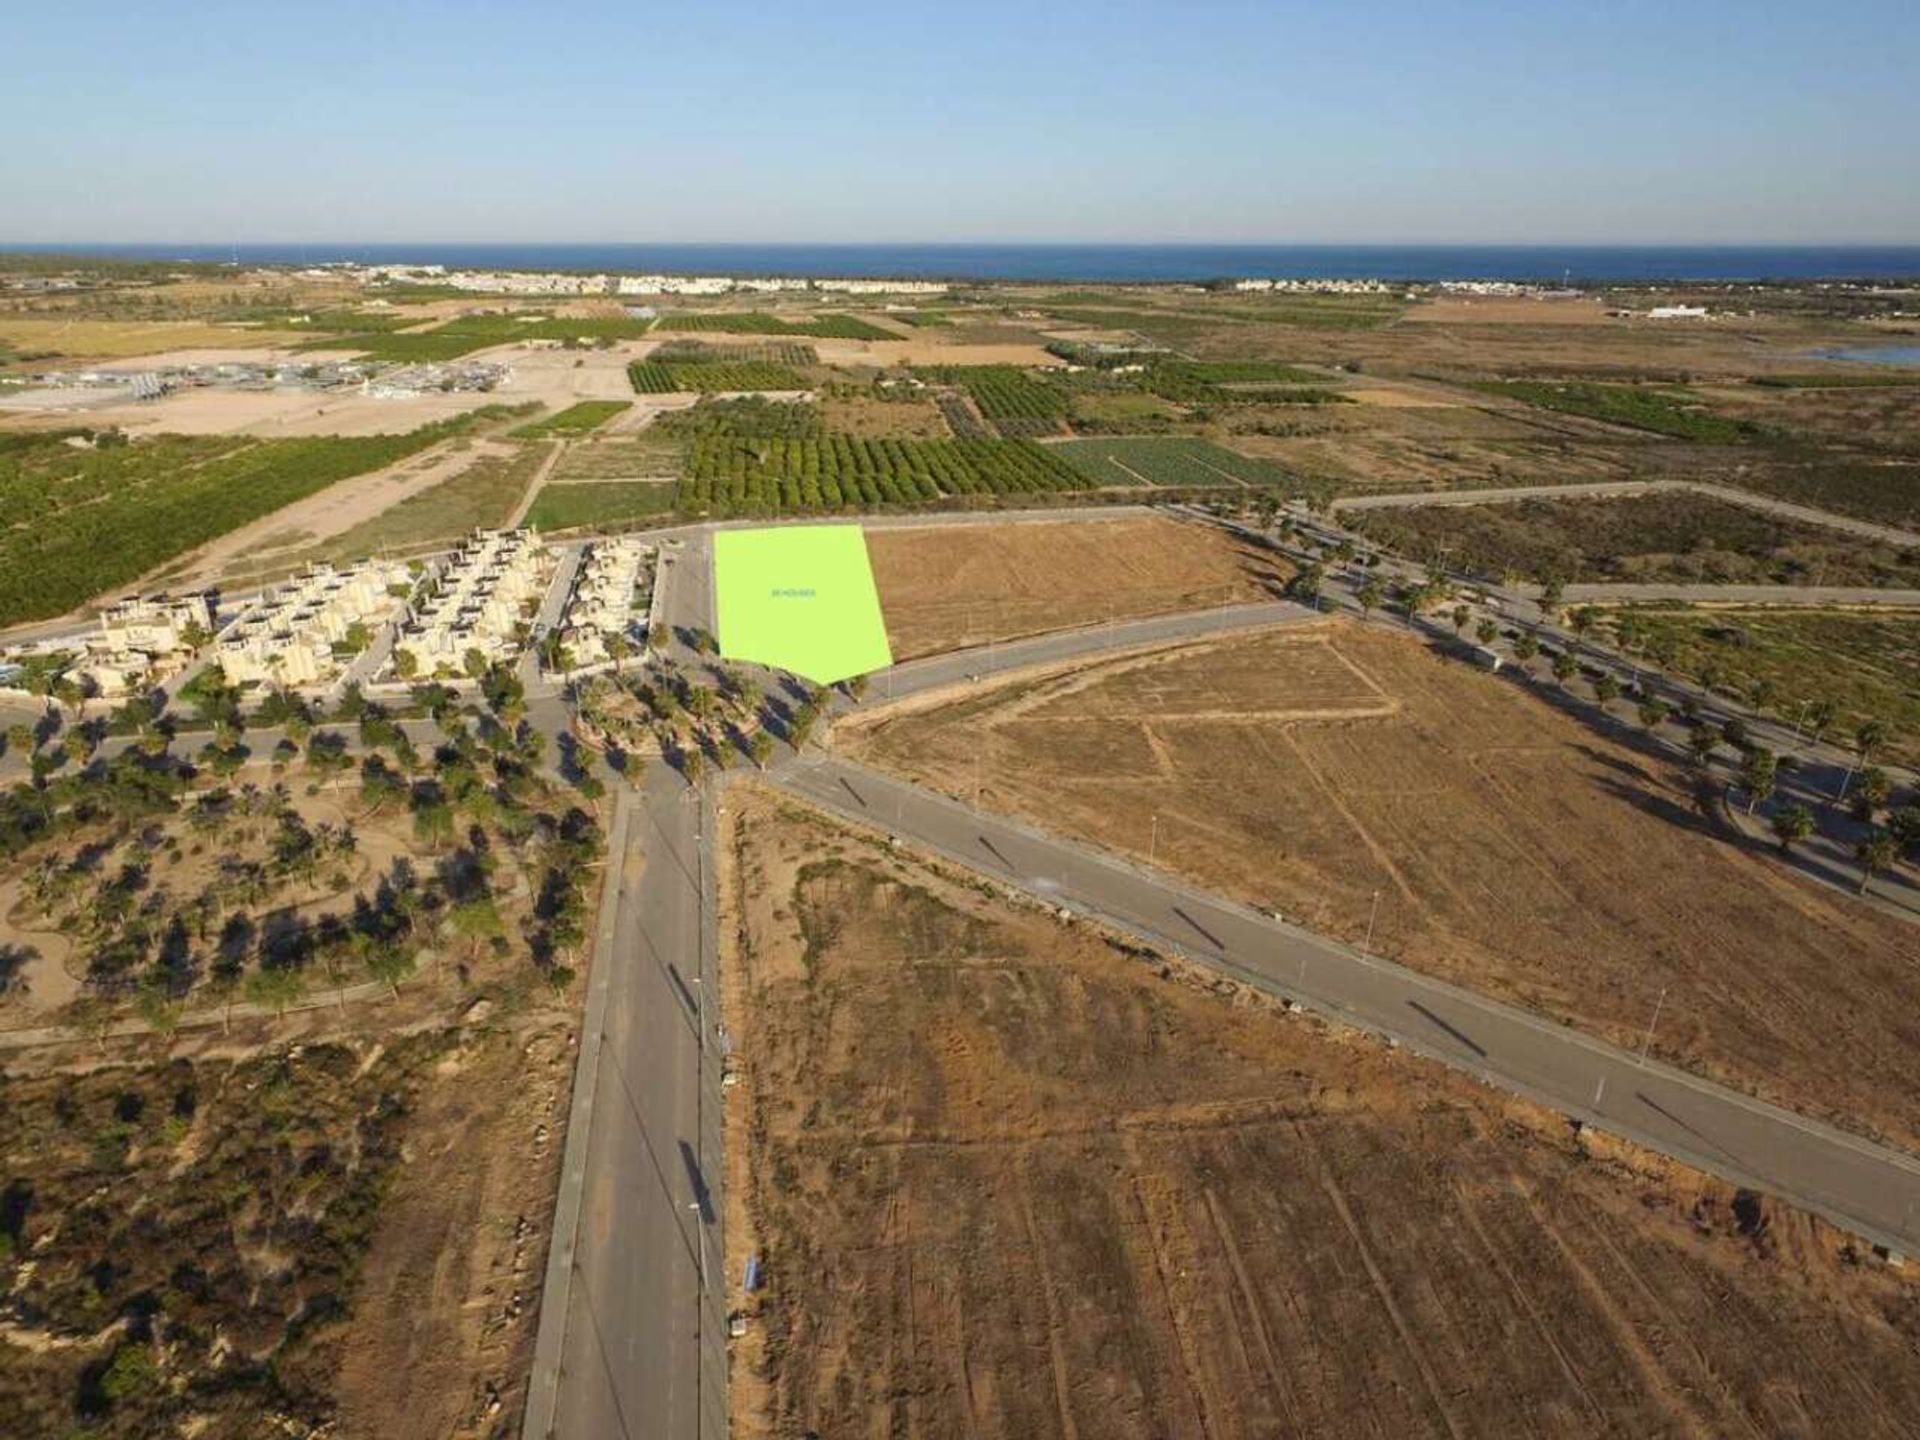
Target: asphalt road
<point>640,1348</point>
<point>643,1350</point>
<point>1867,1189</point>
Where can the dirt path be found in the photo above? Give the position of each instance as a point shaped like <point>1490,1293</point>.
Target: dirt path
<point>554,452</point>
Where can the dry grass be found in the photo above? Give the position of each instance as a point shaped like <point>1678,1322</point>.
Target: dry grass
<point>1009,1181</point>
<point>1512,848</point>
<point>947,587</point>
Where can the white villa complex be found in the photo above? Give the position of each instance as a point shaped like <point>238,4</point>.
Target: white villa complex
<point>475,600</point>
<point>288,638</point>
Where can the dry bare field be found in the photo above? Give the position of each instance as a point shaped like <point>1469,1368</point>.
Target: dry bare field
<point>1009,1180</point>
<point>946,587</point>
<point>1511,848</point>
<point>77,339</point>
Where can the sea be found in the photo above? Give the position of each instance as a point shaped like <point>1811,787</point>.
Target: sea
<point>1069,263</point>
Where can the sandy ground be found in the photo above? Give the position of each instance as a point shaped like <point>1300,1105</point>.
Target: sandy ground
<point>444,1321</point>
<point>270,414</point>
<point>927,348</point>
<point>950,586</point>
<point>1511,847</point>
<point>1008,1180</point>
<point>80,340</point>
<point>53,977</point>
<point>555,378</point>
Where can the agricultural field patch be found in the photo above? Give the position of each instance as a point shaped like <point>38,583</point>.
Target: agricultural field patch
<point>756,322</point>
<point>1662,410</point>
<point>1171,462</point>
<point>1088,1166</point>
<point>465,334</point>
<point>738,475</point>
<point>1014,402</point>
<point>1512,848</point>
<point>620,457</point>
<point>948,587</point>
<point>576,420</point>
<point>485,493</point>
<point>597,505</point>
<point>79,522</point>
<point>1680,537</point>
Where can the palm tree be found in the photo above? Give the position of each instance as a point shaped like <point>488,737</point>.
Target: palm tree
<point>1869,737</point>
<point>1370,596</point>
<point>1757,774</point>
<point>1870,792</point>
<point>1875,852</point>
<point>1791,824</point>
<point>1702,741</point>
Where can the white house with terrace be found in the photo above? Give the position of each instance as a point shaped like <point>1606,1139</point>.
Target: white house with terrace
<point>474,601</point>
<point>610,597</point>
<point>289,636</point>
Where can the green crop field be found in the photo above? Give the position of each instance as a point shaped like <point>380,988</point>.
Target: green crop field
<point>648,378</point>
<point>600,505</point>
<point>738,352</point>
<point>1663,411</point>
<point>578,419</point>
<point>800,598</point>
<point>1175,462</point>
<point>758,322</point>
<point>1014,401</point>
<point>78,522</point>
<point>749,416</point>
<point>734,475</point>
<point>467,333</point>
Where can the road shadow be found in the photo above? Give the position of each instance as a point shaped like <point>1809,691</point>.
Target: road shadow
<point>702,1197</point>
<point>1457,1034</point>
<point>1211,938</point>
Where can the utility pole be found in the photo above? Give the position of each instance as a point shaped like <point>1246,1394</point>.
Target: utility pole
<point>1646,1041</point>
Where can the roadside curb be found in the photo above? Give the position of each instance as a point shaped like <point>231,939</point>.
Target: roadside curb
<point>556,1292</point>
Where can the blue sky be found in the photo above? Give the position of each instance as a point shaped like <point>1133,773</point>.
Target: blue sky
<point>1686,121</point>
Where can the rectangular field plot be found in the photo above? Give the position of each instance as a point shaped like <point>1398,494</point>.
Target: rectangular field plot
<point>616,502</point>
<point>1173,462</point>
<point>800,599</point>
<point>578,419</point>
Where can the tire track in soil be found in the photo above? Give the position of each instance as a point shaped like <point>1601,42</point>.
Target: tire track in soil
<point>1415,1353</point>
<point>1182,1334</point>
<point>1653,1371</point>
<point>1049,1293</point>
<point>1256,1320</point>
<point>1464,1204</point>
<point>1338,806</point>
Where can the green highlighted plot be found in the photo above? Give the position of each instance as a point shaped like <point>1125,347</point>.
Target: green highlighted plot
<point>800,598</point>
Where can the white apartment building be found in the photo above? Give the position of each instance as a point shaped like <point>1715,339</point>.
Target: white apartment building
<point>156,624</point>
<point>288,637</point>
<point>614,581</point>
<point>477,598</point>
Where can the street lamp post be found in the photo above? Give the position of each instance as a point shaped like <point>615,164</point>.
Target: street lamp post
<point>1646,1041</point>
<point>1372,914</point>
<point>1153,838</point>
